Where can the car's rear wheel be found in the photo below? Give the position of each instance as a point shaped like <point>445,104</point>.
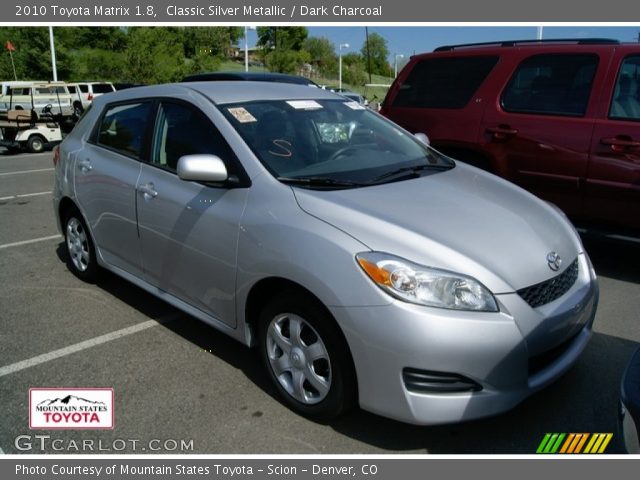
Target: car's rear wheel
<point>81,255</point>
<point>307,357</point>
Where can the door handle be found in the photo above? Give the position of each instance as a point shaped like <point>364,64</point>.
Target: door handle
<point>502,130</point>
<point>620,143</point>
<point>147,190</point>
<point>85,165</point>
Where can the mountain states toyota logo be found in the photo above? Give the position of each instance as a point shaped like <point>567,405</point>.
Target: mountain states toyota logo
<point>71,408</point>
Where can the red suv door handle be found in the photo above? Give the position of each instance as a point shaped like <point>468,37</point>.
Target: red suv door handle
<point>621,142</point>
<point>502,132</point>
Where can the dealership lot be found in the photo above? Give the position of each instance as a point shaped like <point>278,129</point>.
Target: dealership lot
<point>178,379</point>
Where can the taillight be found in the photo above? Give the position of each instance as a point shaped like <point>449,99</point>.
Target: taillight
<point>56,156</point>
<point>90,97</point>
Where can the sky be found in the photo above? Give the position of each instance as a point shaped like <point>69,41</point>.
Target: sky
<point>410,40</point>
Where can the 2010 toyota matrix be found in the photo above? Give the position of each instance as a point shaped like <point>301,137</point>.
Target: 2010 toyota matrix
<point>366,267</point>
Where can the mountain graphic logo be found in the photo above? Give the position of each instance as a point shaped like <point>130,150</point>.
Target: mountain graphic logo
<point>71,408</point>
<point>69,400</point>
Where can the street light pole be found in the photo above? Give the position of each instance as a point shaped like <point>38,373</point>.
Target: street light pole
<point>395,70</point>
<point>53,55</point>
<point>342,45</point>
<point>246,48</point>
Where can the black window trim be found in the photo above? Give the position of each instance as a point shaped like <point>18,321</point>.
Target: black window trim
<point>551,114</point>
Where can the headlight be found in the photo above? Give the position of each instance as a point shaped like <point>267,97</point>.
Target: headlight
<point>426,286</point>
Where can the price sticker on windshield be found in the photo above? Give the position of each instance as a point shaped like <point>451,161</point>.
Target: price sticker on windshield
<point>242,115</point>
<point>304,104</point>
<point>354,105</point>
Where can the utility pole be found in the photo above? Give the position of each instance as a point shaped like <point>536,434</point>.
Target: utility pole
<point>366,30</point>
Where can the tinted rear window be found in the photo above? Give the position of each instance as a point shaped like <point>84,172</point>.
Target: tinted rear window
<point>444,82</point>
<point>557,84</point>
<point>102,88</point>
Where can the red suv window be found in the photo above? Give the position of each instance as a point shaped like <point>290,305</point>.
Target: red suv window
<point>448,82</point>
<point>558,84</point>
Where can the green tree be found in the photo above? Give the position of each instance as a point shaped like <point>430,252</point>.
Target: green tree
<point>154,55</point>
<point>32,55</point>
<point>288,38</point>
<point>322,54</point>
<point>379,53</point>
<point>285,60</point>
<point>103,38</point>
<point>216,41</point>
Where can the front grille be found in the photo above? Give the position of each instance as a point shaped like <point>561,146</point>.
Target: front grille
<point>550,290</point>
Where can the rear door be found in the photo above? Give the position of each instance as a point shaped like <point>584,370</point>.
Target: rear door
<point>189,230</point>
<point>613,180</point>
<point>106,175</point>
<point>538,131</point>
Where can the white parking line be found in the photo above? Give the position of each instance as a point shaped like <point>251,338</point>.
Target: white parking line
<point>27,242</point>
<point>78,347</point>
<point>26,171</point>
<point>11,197</point>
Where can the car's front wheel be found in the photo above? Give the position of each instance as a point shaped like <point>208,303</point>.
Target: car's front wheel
<point>307,357</point>
<point>81,255</point>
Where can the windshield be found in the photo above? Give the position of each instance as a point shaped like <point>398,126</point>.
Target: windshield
<point>333,142</point>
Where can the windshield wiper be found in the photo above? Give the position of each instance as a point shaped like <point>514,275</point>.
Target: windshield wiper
<point>411,171</point>
<point>319,182</point>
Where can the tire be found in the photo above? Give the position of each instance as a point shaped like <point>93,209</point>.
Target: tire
<point>35,144</point>
<point>81,254</point>
<point>322,388</point>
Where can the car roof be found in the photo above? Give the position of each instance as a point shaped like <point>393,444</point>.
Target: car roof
<point>224,92</point>
<point>248,76</point>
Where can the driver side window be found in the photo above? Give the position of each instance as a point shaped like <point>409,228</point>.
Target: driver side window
<point>181,130</point>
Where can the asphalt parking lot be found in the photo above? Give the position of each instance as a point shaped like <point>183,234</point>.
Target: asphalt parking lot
<point>178,379</point>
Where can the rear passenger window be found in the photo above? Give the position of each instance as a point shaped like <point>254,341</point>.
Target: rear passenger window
<point>84,88</point>
<point>551,85</point>
<point>625,104</point>
<point>122,128</point>
<point>444,82</point>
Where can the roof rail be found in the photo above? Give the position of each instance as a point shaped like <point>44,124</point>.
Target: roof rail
<point>511,43</point>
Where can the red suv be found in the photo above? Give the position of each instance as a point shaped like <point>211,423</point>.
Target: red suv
<point>561,118</point>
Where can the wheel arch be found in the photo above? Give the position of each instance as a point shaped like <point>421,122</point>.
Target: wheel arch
<point>265,289</point>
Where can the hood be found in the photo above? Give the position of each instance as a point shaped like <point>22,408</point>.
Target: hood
<point>463,220</point>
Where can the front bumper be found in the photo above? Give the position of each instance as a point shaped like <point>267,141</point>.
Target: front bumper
<point>510,354</point>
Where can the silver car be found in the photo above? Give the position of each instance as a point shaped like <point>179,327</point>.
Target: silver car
<point>365,266</point>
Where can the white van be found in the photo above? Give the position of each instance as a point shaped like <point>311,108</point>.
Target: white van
<point>83,93</point>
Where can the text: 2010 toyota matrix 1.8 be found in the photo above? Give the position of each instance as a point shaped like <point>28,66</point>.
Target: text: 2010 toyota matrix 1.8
<point>365,266</point>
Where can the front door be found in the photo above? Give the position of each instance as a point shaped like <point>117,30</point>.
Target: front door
<point>188,230</point>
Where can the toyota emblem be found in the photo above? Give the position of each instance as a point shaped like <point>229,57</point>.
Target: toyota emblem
<point>554,261</point>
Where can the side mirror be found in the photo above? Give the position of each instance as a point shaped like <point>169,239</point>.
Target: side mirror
<point>422,138</point>
<point>202,168</point>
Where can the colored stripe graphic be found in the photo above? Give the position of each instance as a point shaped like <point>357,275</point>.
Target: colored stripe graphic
<point>574,443</point>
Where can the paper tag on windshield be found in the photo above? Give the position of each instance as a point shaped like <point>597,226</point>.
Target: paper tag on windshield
<point>354,105</point>
<point>304,104</point>
<point>242,115</point>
